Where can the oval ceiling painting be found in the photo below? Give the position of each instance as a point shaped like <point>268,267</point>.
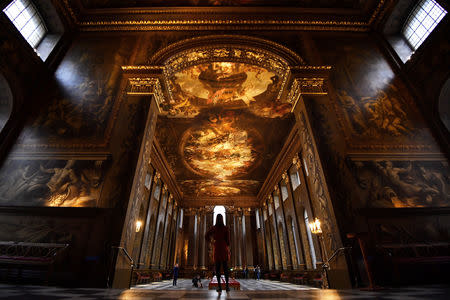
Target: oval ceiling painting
<point>224,84</point>
<point>221,147</point>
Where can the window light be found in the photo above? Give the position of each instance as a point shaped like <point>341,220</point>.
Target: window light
<point>421,22</point>
<point>24,15</point>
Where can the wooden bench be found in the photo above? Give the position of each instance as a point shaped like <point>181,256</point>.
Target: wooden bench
<point>232,283</point>
<point>299,278</point>
<point>318,280</point>
<point>142,277</point>
<point>284,277</point>
<point>407,259</point>
<point>24,255</point>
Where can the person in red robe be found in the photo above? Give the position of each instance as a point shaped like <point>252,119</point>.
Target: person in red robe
<point>221,236</point>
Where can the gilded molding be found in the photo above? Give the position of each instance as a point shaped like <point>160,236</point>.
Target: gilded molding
<point>146,86</point>
<point>201,23</point>
<point>306,86</point>
<point>142,68</point>
<point>227,40</point>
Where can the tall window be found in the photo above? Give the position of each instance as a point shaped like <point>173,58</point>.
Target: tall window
<point>181,218</point>
<point>27,20</point>
<point>258,224</point>
<point>295,178</point>
<point>421,22</point>
<point>219,210</point>
<point>312,251</point>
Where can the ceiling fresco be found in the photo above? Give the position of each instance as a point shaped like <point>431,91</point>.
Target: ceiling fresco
<point>174,3</point>
<point>221,147</point>
<point>227,84</point>
<point>224,120</point>
<point>222,152</point>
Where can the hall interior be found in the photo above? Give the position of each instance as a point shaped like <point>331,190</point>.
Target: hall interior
<point>319,129</point>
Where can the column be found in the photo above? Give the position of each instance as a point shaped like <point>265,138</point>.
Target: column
<point>249,238</point>
<point>274,232</point>
<point>202,241</point>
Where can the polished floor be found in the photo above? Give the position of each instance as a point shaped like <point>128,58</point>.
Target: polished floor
<point>16,292</point>
<point>246,285</point>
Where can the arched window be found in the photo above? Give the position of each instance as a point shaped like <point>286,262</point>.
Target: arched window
<point>27,20</point>
<point>421,22</point>
<point>219,210</point>
<point>310,241</point>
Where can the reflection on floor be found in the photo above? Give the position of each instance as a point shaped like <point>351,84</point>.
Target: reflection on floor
<point>246,285</point>
<point>13,292</point>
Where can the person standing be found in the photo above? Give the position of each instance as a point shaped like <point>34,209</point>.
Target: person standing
<point>175,274</point>
<point>258,273</point>
<point>221,235</point>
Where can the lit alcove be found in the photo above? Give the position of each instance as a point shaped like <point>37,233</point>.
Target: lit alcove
<point>6,102</point>
<point>219,210</point>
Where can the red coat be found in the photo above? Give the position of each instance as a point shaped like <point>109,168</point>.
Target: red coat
<point>221,236</point>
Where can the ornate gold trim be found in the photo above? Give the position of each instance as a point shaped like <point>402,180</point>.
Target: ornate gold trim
<point>226,53</point>
<point>146,86</point>
<point>242,23</point>
<point>306,86</point>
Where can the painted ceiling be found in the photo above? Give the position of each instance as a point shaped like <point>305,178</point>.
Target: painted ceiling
<point>184,3</point>
<point>223,127</point>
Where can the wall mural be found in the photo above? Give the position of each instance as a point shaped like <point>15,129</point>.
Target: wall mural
<point>403,183</point>
<point>228,84</point>
<point>373,106</point>
<point>75,183</point>
<point>83,94</point>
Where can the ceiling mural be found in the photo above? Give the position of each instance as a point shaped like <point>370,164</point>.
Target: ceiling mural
<point>224,120</point>
<point>227,84</point>
<point>221,147</point>
<point>173,3</point>
<point>222,152</point>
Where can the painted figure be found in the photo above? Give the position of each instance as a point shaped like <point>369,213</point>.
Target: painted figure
<point>221,235</point>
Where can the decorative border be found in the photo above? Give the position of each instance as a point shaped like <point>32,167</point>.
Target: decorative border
<point>228,53</point>
<point>146,86</point>
<point>201,23</point>
<point>306,86</point>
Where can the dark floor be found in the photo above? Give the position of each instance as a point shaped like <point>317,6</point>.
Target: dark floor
<point>14,292</point>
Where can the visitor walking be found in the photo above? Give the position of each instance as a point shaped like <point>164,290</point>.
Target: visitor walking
<point>221,236</point>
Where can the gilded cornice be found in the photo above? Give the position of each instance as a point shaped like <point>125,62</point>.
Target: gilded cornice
<point>233,41</point>
<point>146,86</point>
<point>214,18</point>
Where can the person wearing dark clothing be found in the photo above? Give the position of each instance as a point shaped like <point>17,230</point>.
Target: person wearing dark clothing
<point>258,273</point>
<point>175,274</point>
<point>197,282</point>
<point>221,236</point>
